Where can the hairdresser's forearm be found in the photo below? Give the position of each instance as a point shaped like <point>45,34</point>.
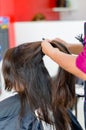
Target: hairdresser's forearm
<point>67,62</point>
<point>75,48</point>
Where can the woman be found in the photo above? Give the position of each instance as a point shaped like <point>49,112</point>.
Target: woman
<point>48,97</point>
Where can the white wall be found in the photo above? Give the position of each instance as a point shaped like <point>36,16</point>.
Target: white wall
<point>33,31</point>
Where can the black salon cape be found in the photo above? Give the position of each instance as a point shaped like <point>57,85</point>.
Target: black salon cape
<point>9,117</point>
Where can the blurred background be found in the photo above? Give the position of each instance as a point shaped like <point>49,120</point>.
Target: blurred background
<point>30,20</point>
<point>13,12</point>
<point>26,10</point>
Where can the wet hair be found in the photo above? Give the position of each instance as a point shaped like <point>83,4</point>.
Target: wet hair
<point>25,71</point>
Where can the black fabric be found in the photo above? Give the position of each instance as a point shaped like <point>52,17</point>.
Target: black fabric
<point>9,116</point>
<point>85,89</point>
<point>85,114</point>
<point>75,124</point>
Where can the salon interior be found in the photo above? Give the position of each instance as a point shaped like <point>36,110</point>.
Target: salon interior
<point>24,21</point>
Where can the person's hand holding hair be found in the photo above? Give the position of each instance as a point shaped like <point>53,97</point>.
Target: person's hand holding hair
<point>47,48</point>
<point>62,42</point>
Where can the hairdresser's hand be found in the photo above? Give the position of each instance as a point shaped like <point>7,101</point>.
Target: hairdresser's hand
<point>62,41</point>
<point>47,48</point>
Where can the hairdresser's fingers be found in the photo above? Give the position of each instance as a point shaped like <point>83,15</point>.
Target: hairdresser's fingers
<point>61,41</point>
<point>46,46</point>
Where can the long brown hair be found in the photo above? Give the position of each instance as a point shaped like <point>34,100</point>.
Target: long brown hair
<point>24,71</point>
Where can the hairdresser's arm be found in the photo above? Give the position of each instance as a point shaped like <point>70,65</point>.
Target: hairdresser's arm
<point>66,61</point>
<point>74,48</point>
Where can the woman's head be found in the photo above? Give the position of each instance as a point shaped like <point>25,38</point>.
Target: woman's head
<point>23,65</point>
<point>24,71</point>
